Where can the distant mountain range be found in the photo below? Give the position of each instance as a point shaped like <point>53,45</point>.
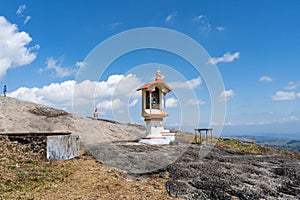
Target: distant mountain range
<point>276,142</point>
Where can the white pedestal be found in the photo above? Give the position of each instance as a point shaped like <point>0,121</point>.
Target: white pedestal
<point>156,134</point>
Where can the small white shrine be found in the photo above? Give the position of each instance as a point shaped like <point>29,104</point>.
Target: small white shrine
<point>154,110</point>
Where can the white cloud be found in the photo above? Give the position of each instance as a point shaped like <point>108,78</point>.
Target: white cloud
<point>282,96</point>
<point>196,102</point>
<point>171,102</point>
<point>226,95</point>
<point>115,25</point>
<point>34,48</point>
<point>292,85</point>
<point>298,95</point>
<point>190,84</point>
<point>111,104</point>
<point>254,123</point>
<point>120,87</point>
<point>170,17</point>
<point>21,9</point>
<point>27,19</point>
<point>221,124</point>
<point>53,64</point>
<point>294,118</point>
<point>194,82</point>
<point>115,79</point>
<point>265,79</point>
<point>125,85</point>
<point>133,103</point>
<point>291,118</point>
<point>228,124</point>
<point>205,27</point>
<point>227,57</point>
<point>27,94</point>
<point>243,123</point>
<point>56,94</point>
<point>203,23</point>
<point>81,65</point>
<point>60,95</point>
<point>220,28</point>
<point>14,51</point>
<point>199,18</point>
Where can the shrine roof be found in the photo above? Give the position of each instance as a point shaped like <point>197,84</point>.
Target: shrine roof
<point>156,83</point>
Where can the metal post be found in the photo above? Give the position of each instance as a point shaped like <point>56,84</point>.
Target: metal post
<point>150,93</point>
<point>200,137</point>
<point>164,102</point>
<point>206,138</point>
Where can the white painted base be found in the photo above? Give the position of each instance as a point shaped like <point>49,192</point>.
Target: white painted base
<point>166,138</point>
<point>154,141</point>
<point>169,136</point>
<point>153,129</point>
<point>156,134</point>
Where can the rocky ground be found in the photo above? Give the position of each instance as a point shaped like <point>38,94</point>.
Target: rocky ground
<point>182,169</point>
<point>207,172</point>
<point>226,174</point>
<point>22,117</point>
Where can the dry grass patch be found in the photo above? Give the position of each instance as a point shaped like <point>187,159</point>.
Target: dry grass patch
<point>28,175</point>
<point>250,147</point>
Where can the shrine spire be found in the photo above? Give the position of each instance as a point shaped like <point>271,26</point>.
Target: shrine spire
<point>158,74</point>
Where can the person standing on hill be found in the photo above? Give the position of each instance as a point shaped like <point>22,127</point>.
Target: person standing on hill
<point>96,113</point>
<point>4,90</point>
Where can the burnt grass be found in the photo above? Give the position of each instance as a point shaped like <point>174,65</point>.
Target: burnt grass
<point>228,174</point>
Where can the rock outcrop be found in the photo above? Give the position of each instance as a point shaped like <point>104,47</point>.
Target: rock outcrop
<point>196,172</point>
<point>18,116</point>
<point>226,174</point>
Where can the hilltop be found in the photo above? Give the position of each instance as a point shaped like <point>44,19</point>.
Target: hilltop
<point>25,173</point>
<point>124,168</point>
<point>21,116</point>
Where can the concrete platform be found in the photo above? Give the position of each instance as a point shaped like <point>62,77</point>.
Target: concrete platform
<point>166,138</point>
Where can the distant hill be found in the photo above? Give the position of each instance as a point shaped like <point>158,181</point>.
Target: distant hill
<point>275,142</point>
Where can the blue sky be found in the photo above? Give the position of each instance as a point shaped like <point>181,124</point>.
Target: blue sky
<point>254,44</point>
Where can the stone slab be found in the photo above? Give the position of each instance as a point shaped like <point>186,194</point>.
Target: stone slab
<point>63,147</point>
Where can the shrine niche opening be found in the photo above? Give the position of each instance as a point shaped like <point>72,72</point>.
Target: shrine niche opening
<point>154,99</point>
